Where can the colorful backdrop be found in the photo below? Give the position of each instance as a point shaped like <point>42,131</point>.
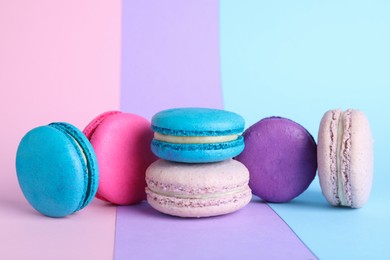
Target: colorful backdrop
<point>72,60</point>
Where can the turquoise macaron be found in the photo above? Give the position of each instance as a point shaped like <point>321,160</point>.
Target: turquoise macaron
<point>57,169</point>
<point>197,135</point>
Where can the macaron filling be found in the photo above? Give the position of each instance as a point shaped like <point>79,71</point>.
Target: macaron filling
<point>194,139</point>
<point>199,202</point>
<point>342,184</point>
<point>187,192</point>
<point>198,146</point>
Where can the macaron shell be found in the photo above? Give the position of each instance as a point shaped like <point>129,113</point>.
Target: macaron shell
<point>122,145</point>
<point>362,159</point>
<point>47,165</point>
<point>172,206</point>
<point>91,127</point>
<point>217,175</point>
<point>197,122</point>
<point>197,153</point>
<point>326,155</point>
<point>281,157</point>
<point>188,190</point>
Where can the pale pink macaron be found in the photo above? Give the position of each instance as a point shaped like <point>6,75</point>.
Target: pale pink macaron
<point>197,190</point>
<point>345,157</point>
<point>122,145</point>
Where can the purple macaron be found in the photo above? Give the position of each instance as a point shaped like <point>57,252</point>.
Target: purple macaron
<point>281,156</point>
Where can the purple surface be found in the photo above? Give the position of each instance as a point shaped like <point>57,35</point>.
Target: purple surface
<point>170,55</point>
<point>281,157</point>
<point>254,232</point>
<point>170,58</point>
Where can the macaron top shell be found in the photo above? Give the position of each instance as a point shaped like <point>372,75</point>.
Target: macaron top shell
<point>281,157</point>
<point>89,130</point>
<point>345,157</point>
<point>122,145</point>
<point>197,122</point>
<point>196,179</point>
<point>57,169</point>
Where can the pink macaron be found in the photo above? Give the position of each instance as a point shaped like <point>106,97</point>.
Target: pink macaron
<point>197,190</point>
<point>122,145</point>
<point>345,158</point>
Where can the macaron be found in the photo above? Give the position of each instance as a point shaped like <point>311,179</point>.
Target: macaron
<point>281,157</point>
<point>122,145</point>
<point>197,135</point>
<point>57,169</point>
<point>345,157</point>
<point>197,190</point>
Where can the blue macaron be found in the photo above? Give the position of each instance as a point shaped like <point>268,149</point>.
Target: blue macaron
<point>57,169</point>
<point>197,135</point>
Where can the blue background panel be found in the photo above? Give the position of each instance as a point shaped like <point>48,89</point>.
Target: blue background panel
<point>298,60</point>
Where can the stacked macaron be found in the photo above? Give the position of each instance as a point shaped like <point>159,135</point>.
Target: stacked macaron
<point>196,175</point>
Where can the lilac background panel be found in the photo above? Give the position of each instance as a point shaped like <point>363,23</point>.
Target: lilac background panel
<point>170,58</point>
<point>254,232</point>
<point>170,55</point>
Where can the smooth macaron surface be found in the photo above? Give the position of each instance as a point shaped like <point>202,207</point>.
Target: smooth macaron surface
<point>197,122</point>
<point>345,157</point>
<point>57,169</point>
<point>122,145</point>
<point>197,190</point>
<point>197,135</point>
<point>281,157</point>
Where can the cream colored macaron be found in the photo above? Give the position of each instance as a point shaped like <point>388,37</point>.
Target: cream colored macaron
<point>345,157</point>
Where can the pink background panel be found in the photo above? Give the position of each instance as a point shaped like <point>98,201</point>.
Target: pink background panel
<point>59,61</point>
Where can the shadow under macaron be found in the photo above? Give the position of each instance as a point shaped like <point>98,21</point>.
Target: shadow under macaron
<point>311,199</point>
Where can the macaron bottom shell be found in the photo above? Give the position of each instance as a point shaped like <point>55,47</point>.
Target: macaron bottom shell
<point>198,153</point>
<point>199,207</point>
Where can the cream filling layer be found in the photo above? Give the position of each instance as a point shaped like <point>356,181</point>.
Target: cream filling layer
<point>81,150</point>
<point>340,185</point>
<point>194,139</point>
<point>344,160</point>
<point>200,196</point>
